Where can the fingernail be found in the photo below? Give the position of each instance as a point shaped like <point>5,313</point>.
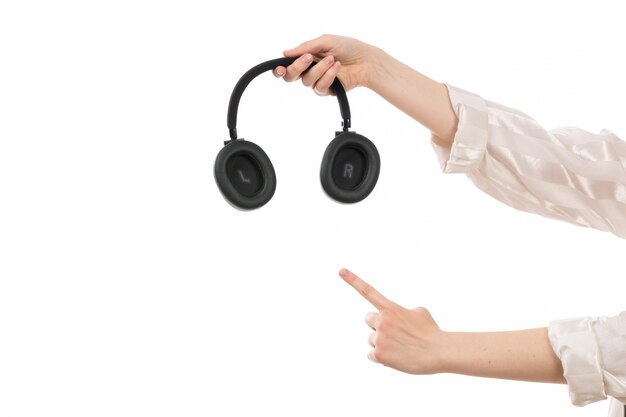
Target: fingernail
<point>329,59</point>
<point>280,72</point>
<point>307,58</point>
<point>343,272</point>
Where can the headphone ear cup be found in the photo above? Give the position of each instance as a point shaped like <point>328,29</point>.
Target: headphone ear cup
<point>244,175</point>
<point>350,167</point>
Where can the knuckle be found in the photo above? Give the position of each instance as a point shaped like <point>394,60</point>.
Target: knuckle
<point>327,37</point>
<point>381,355</point>
<point>422,311</point>
<point>370,317</point>
<point>365,290</point>
<point>383,325</point>
<point>321,86</point>
<point>395,309</point>
<point>381,342</point>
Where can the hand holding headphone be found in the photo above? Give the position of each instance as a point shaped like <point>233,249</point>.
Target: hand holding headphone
<point>246,177</point>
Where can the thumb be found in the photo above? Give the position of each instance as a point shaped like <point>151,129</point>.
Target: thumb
<point>425,316</point>
<point>315,46</point>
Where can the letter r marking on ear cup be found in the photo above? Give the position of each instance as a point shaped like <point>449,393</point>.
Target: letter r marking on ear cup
<point>350,167</point>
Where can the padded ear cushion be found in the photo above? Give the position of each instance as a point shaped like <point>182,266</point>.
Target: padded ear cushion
<point>245,175</point>
<point>350,167</point>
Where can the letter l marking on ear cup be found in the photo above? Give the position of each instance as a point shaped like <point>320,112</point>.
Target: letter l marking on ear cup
<point>244,180</point>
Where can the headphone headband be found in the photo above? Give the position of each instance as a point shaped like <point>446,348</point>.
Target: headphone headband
<point>252,73</point>
<point>245,175</point>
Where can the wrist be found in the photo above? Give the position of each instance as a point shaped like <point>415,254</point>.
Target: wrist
<point>422,98</point>
<point>376,69</point>
<point>446,357</point>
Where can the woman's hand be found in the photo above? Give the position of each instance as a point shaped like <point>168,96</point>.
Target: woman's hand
<point>407,340</point>
<point>357,63</point>
<point>410,341</point>
<point>337,56</point>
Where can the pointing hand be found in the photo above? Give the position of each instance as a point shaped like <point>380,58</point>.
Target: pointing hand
<point>407,340</point>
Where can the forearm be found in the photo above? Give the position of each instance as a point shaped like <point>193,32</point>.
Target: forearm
<point>524,355</point>
<point>420,97</point>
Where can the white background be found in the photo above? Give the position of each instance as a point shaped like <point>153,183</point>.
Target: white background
<point>129,287</point>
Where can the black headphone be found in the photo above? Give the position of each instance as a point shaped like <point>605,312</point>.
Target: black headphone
<point>246,177</point>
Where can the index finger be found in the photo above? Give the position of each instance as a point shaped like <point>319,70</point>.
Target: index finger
<point>366,290</point>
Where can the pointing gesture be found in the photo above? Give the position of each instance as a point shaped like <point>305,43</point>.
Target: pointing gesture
<point>366,290</point>
<point>406,340</point>
<point>410,341</point>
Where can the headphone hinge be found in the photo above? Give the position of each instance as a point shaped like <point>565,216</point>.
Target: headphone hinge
<point>226,142</point>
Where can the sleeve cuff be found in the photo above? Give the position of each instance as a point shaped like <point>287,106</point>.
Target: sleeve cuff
<point>574,342</point>
<point>470,141</point>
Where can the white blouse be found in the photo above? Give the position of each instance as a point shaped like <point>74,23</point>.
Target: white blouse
<point>567,174</point>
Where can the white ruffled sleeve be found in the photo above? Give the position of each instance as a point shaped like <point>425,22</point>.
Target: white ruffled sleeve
<point>566,174</point>
<point>593,354</point>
